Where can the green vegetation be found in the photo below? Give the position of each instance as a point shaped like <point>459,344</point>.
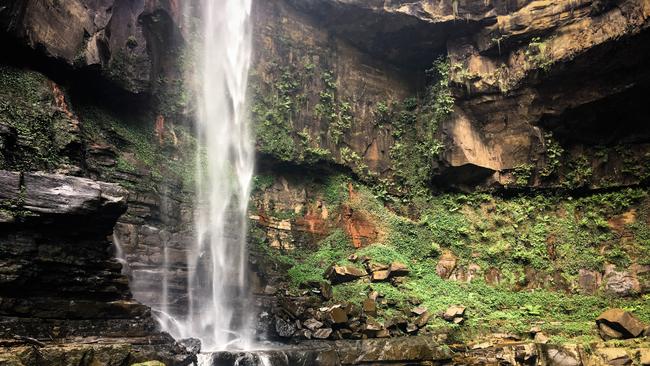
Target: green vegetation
<point>338,116</point>
<point>554,152</point>
<point>579,173</point>
<point>273,110</point>
<point>538,55</point>
<point>522,174</point>
<point>44,131</point>
<point>414,127</point>
<point>139,150</point>
<point>548,235</point>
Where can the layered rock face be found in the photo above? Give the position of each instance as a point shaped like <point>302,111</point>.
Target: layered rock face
<point>61,282</point>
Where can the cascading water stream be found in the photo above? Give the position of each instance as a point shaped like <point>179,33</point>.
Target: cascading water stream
<point>217,296</point>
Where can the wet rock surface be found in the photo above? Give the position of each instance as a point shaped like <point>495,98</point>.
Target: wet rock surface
<point>61,283</point>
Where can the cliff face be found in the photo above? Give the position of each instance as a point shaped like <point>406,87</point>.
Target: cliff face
<point>371,118</point>
<point>525,78</point>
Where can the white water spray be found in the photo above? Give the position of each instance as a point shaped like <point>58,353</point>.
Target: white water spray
<point>217,295</point>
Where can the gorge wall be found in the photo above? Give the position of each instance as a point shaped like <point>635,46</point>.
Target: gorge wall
<point>491,154</point>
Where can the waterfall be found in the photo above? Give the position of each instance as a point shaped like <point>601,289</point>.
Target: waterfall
<point>216,285</point>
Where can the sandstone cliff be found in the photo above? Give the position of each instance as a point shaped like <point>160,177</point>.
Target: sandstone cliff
<point>497,143</point>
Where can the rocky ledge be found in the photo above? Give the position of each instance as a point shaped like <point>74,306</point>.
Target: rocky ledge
<point>61,290</point>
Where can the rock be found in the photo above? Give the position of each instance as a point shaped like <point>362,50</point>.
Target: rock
<point>454,312</point>
<point>340,274</point>
<point>540,338</point>
<point>419,310</point>
<point>312,324</point>
<point>382,275</point>
<point>192,345</point>
<point>9,185</point>
<point>322,333</point>
<point>270,290</point>
<point>284,328</point>
<point>423,319</point>
<point>556,356</point>
<point>398,269</point>
<point>373,326</point>
<point>446,264</point>
<point>608,333</point>
<point>383,333</point>
<point>369,307</point>
<point>149,363</point>
<point>644,356</point>
<point>337,315</point>
<point>619,283</point>
<point>392,351</point>
<point>622,322</point>
<point>373,295</point>
<point>326,290</point>
<point>614,356</point>
<point>589,281</point>
<point>411,328</point>
<point>373,267</point>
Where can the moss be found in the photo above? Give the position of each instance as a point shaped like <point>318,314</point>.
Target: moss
<point>140,152</point>
<point>43,131</point>
<point>123,69</point>
<point>311,265</point>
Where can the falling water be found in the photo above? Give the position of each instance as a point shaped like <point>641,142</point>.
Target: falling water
<point>217,296</point>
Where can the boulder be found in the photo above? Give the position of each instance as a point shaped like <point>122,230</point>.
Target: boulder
<point>398,269</point>
<point>446,265</point>
<point>622,322</point>
<point>322,333</point>
<point>560,356</point>
<point>608,333</point>
<point>419,310</point>
<point>369,307</point>
<point>283,328</point>
<point>192,345</point>
<point>620,283</point>
<point>340,274</point>
<point>381,275</point>
<point>454,312</point>
<point>372,327</point>
<point>644,356</point>
<point>326,290</point>
<point>374,267</point>
<point>423,319</point>
<point>312,324</point>
<point>614,356</point>
<point>540,338</point>
<point>337,315</point>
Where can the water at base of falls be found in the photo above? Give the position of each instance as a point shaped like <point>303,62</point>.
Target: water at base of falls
<point>217,296</point>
